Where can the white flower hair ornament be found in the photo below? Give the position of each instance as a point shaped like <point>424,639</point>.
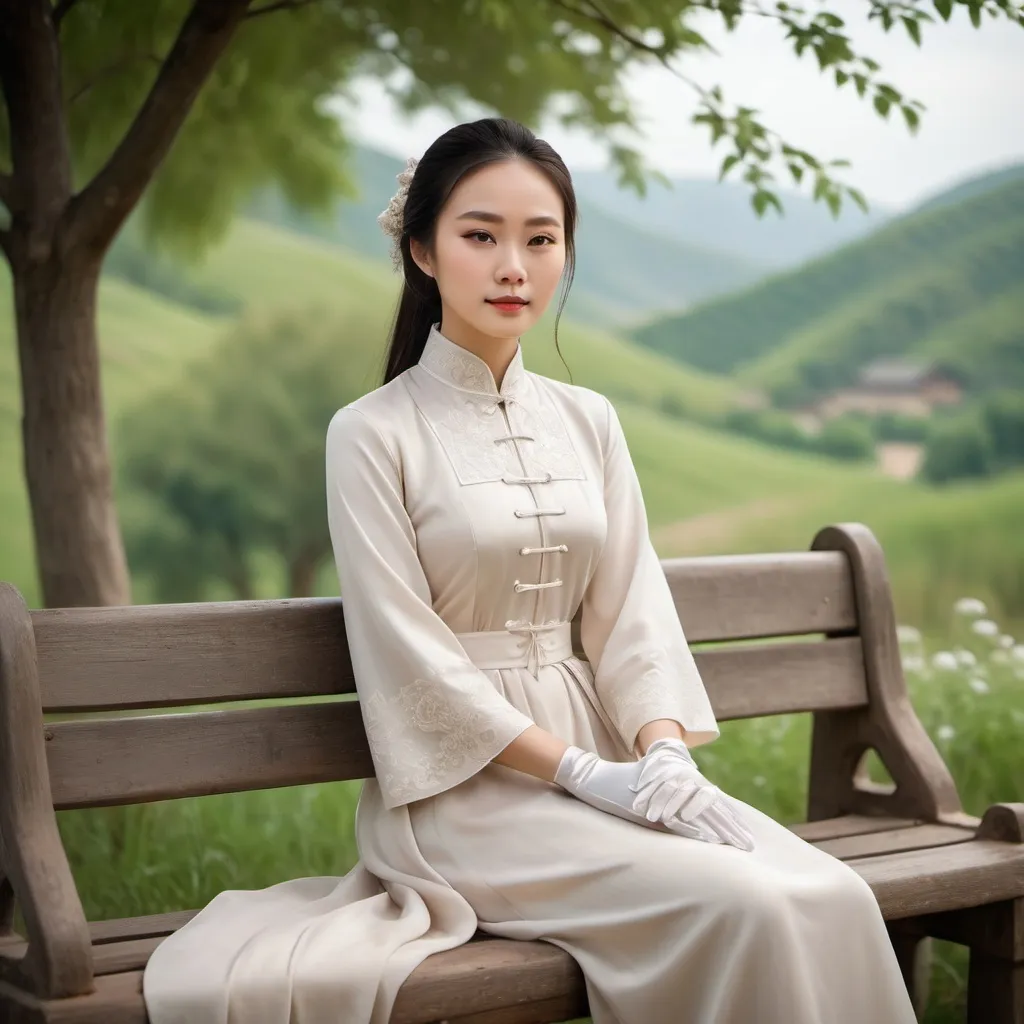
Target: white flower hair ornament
<point>391,221</point>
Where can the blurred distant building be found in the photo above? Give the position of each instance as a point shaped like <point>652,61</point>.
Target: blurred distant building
<point>893,386</point>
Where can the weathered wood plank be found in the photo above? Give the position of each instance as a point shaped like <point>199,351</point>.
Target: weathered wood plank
<point>848,825</point>
<point>949,878</point>
<point>179,654</point>
<point>103,762</point>
<point>121,928</point>
<point>111,957</point>
<point>107,761</point>
<point>751,680</point>
<point>117,999</point>
<point>920,837</point>
<point>735,597</point>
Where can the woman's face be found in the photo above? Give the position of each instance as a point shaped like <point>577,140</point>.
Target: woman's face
<point>500,234</point>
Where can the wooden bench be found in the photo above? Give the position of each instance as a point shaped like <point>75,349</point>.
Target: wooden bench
<point>935,871</point>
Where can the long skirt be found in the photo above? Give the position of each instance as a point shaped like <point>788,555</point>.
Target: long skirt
<point>667,930</point>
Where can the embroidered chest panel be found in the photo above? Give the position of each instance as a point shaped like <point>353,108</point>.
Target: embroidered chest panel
<point>473,433</point>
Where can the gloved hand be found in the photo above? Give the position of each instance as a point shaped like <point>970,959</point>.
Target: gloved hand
<point>671,787</point>
<point>668,797</point>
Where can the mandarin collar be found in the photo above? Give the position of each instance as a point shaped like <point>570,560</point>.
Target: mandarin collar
<point>454,365</point>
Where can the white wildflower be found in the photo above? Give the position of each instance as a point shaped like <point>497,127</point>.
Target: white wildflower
<point>966,657</point>
<point>970,606</point>
<point>1000,656</point>
<point>945,661</point>
<point>908,635</point>
<point>945,733</point>
<point>914,663</point>
<point>984,627</point>
<point>978,685</point>
<point>1006,641</point>
<point>759,780</point>
<point>1017,653</point>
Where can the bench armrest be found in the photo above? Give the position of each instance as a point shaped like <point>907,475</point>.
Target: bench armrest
<point>924,786</point>
<point>1004,822</point>
<point>58,961</point>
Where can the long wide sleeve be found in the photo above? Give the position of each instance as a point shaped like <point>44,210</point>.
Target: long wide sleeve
<point>432,718</point>
<point>629,628</point>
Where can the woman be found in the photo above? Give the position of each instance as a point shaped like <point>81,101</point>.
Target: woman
<point>473,507</point>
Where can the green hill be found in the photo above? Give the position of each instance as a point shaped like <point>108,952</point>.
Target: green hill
<point>625,271</point>
<point>897,292</point>
<point>718,215</point>
<point>940,545</point>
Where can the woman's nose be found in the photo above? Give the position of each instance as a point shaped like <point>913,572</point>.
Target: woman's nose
<point>512,272</point>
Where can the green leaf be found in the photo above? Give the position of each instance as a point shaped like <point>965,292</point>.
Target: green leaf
<point>913,29</point>
<point>910,115</point>
<point>762,199</point>
<point>858,197</point>
<point>861,82</point>
<point>882,104</point>
<point>728,164</point>
<point>797,171</point>
<point>944,7</point>
<point>842,77</point>
<point>834,201</point>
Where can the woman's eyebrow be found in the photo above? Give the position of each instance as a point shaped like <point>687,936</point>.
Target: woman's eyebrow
<point>544,220</point>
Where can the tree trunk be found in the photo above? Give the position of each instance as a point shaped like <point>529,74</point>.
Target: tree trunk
<point>302,574</point>
<point>81,559</point>
<point>55,244</point>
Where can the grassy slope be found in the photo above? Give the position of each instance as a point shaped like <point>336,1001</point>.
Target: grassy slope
<point>902,267</point>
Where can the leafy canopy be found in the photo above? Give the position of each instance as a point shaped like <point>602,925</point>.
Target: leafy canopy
<point>263,114</point>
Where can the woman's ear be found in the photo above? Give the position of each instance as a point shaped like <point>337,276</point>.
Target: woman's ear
<point>420,256</point>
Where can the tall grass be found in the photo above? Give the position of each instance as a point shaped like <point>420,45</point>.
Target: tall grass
<point>967,688</point>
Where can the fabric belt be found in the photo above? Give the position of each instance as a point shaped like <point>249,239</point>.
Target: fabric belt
<point>525,646</point>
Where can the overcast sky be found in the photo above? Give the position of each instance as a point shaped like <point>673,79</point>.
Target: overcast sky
<point>971,81</point>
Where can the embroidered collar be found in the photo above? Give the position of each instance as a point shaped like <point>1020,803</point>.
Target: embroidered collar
<point>466,371</point>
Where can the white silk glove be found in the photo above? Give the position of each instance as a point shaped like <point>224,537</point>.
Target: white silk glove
<point>671,788</point>
<point>623,789</point>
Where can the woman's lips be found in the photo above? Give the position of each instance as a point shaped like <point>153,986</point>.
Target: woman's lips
<point>508,307</point>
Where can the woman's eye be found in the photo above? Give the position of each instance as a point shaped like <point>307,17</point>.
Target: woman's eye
<point>479,235</point>
<point>544,238</point>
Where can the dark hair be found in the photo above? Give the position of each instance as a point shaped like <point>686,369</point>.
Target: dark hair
<point>460,150</point>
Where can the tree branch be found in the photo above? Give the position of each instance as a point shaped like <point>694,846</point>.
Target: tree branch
<point>280,5</point>
<point>7,191</point>
<point>597,16</point>
<point>5,243</point>
<point>40,182</point>
<point>99,210</point>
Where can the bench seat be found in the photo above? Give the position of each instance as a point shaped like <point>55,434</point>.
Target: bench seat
<point>774,633</point>
<point>914,867</point>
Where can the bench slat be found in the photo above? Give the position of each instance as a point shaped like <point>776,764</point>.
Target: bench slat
<point>848,825</point>
<point>738,597</point>
<point>919,837</point>
<point>172,655</point>
<point>105,761</point>
<point>949,878</point>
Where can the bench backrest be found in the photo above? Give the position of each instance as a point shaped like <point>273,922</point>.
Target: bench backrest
<point>785,629</point>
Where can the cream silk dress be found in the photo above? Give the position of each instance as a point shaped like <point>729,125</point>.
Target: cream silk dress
<point>468,526</point>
